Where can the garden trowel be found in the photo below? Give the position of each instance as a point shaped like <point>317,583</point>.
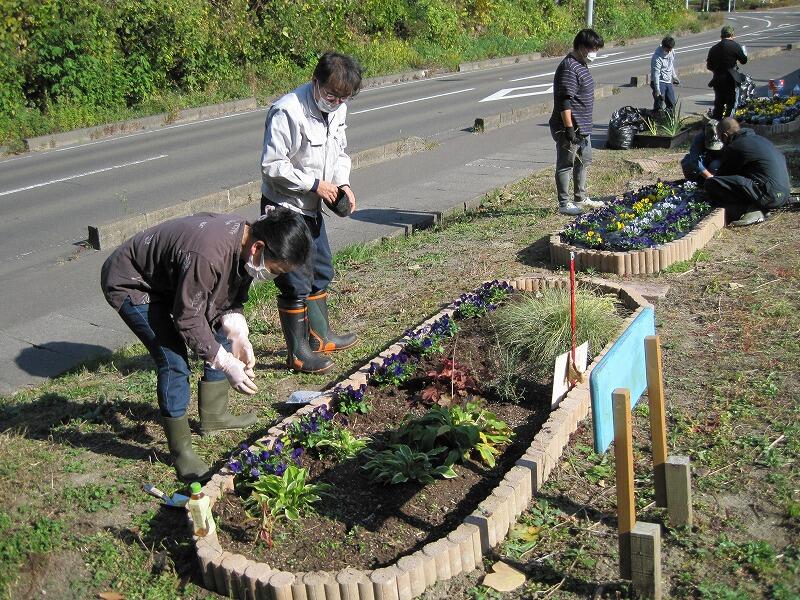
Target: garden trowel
<point>174,501</point>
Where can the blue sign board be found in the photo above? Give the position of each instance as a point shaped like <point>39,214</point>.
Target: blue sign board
<point>623,366</point>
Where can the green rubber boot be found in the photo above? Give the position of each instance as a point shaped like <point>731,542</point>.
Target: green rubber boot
<point>188,465</point>
<point>321,338</point>
<point>294,322</point>
<point>212,402</point>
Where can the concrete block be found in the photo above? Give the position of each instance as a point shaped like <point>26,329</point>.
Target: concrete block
<point>462,538</point>
<point>428,567</point>
<point>348,580</point>
<point>223,577</point>
<point>679,490</point>
<point>207,556</point>
<point>299,587</point>
<point>241,585</point>
<point>258,576</point>
<point>645,539</point>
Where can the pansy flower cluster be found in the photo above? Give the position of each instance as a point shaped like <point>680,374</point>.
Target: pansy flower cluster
<point>316,423</point>
<point>430,339</point>
<point>769,111</point>
<point>350,400</point>
<point>484,299</point>
<point>393,370</point>
<point>249,464</point>
<point>653,215</point>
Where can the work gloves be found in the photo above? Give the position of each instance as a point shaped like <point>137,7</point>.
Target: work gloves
<point>572,135</point>
<point>239,362</point>
<point>236,330</point>
<point>239,376</point>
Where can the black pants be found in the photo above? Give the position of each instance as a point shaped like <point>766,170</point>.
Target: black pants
<point>738,194</point>
<point>724,100</point>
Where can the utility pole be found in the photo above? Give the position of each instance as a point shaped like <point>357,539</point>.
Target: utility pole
<point>589,12</point>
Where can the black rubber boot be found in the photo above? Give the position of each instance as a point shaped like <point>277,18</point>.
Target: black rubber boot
<point>321,338</point>
<point>212,401</point>
<point>179,439</point>
<point>294,322</point>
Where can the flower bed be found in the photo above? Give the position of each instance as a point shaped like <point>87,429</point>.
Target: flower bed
<point>771,116</point>
<point>640,232</point>
<point>455,547</point>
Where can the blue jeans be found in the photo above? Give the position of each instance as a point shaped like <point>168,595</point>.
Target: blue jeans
<point>667,91</point>
<point>153,325</point>
<point>316,273</point>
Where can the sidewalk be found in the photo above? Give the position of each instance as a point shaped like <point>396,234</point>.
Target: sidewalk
<point>394,198</point>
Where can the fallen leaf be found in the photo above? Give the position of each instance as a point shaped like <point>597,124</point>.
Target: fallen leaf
<point>414,267</point>
<point>504,578</point>
<point>110,596</point>
<point>735,286</point>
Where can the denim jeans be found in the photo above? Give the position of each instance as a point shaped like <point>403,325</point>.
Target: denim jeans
<point>572,160</point>
<point>667,91</point>
<point>316,273</point>
<point>153,325</point>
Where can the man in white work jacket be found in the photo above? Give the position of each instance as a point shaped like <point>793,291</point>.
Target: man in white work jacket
<point>303,165</point>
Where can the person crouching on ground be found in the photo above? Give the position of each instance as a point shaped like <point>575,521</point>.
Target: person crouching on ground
<point>571,121</point>
<point>304,166</point>
<point>663,77</point>
<point>182,284</point>
<point>704,155</point>
<point>752,177</point>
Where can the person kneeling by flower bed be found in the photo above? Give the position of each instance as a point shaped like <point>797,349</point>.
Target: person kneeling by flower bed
<point>752,176</point>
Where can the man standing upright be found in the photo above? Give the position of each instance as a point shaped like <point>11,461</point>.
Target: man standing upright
<point>721,61</point>
<point>571,121</point>
<point>663,77</point>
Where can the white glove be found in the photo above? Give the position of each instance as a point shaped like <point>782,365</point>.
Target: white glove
<point>236,372</point>
<point>235,329</point>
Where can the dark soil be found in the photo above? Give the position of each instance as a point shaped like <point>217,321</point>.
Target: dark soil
<point>367,525</point>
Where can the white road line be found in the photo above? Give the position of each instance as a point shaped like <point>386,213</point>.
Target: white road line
<point>531,76</point>
<point>358,112</point>
<point>94,172</point>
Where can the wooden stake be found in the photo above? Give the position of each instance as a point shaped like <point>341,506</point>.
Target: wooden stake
<point>623,453</point>
<point>658,424</point>
<point>679,491</point>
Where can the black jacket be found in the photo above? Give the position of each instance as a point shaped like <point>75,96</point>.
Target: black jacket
<point>754,157</point>
<point>722,58</point>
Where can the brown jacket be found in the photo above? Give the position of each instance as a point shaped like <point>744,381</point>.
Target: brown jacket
<point>191,264</point>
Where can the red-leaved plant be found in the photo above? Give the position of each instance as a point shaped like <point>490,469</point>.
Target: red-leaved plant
<point>448,381</point>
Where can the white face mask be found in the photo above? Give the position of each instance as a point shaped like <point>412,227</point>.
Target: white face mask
<point>259,272</point>
<point>325,105</point>
<point>591,56</point>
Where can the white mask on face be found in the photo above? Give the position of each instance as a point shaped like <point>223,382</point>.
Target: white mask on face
<point>324,105</point>
<point>591,56</point>
<point>259,272</point>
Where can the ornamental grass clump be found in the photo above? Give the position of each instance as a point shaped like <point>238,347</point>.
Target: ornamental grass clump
<point>538,327</point>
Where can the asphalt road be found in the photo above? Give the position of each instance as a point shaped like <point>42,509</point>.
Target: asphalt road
<point>50,292</point>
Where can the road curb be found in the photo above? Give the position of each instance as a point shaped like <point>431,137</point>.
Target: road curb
<point>90,134</point>
<point>109,235</point>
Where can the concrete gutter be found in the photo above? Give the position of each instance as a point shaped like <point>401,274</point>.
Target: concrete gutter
<point>112,234</point>
<point>89,134</point>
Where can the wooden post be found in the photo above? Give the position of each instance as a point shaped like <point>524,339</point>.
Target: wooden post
<point>679,491</point>
<point>623,453</point>
<point>646,560</point>
<point>658,423</point>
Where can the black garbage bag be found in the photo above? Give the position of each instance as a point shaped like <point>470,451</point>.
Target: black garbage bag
<point>622,127</point>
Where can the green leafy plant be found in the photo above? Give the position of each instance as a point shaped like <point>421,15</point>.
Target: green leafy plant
<point>287,496</point>
<point>539,327</point>
<point>318,431</point>
<point>399,464</point>
<point>492,432</point>
<point>672,122</point>
<point>351,400</point>
<point>393,370</point>
<point>652,125</point>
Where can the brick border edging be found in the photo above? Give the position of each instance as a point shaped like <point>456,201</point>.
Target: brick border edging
<point>639,262</point>
<point>461,550</point>
<point>776,129</point>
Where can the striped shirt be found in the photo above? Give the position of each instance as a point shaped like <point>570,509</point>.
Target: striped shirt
<point>573,89</point>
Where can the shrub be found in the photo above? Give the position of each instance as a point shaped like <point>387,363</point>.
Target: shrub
<point>539,327</point>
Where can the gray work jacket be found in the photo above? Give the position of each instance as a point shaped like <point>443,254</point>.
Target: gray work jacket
<point>302,148</point>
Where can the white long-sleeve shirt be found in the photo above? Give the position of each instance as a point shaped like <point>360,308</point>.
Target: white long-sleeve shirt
<point>662,66</point>
<point>302,148</point>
